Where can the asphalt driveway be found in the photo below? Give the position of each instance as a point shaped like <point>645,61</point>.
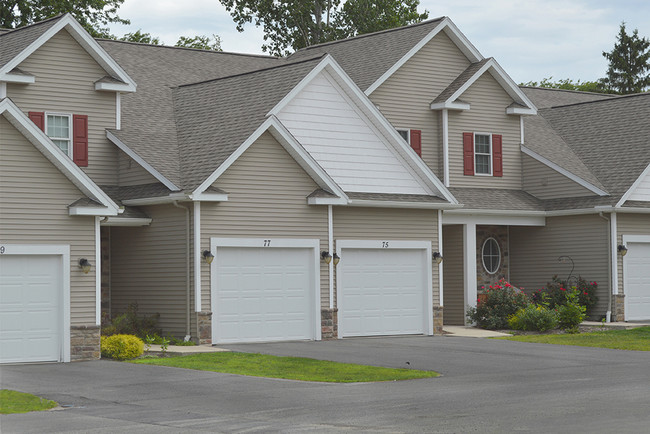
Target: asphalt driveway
<point>487,386</point>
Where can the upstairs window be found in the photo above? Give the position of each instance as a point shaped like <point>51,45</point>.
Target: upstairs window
<point>483,154</point>
<point>413,138</point>
<point>58,128</point>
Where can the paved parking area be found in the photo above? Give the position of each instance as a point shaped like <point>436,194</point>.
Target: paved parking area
<point>487,386</point>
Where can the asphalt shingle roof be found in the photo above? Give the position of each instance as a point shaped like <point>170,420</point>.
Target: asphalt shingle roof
<point>13,42</point>
<point>544,97</point>
<point>497,198</point>
<point>460,81</point>
<point>367,57</point>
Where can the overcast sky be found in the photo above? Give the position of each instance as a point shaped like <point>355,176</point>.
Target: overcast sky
<point>531,39</point>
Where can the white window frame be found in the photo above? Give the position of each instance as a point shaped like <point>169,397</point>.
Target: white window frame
<point>476,153</point>
<point>483,255</point>
<point>408,134</point>
<point>66,115</point>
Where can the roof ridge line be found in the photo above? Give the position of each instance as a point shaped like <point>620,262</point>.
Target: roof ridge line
<point>255,71</point>
<point>365,35</point>
<point>232,53</point>
<point>612,98</point>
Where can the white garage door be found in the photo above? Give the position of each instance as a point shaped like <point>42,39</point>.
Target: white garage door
<point>264,294</point>
<point>30,308</point>
<point>383,291</point>
<point>637,281</point>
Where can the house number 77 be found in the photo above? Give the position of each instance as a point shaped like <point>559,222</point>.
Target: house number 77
<point>267,243</point>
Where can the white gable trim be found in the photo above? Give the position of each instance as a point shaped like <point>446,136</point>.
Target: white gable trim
<point>291,145</point>
<point>506,83</point>
<point>415,163</point>
<point>138,159</point>
<point>62,162</point>
<point>571,176</point>
<point>451,31</point>
<point>18,78</point>
<point>85,40</point>
<point>633,188</point>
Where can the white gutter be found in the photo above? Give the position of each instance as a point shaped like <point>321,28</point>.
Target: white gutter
<point>398,204</point>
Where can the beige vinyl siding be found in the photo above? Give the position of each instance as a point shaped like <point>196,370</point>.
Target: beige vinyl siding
<point>359,223</point>
<point>545,183</point>
<point>65,76</point>
<point>131,173</point>
<point>406,96</point>
<point>629,224</point>
<point>267,197</point>
<point>534,253</point>
<point>148,267</point>
<point>488,102</point>
<point>454,280</point>
<point>34,199</point>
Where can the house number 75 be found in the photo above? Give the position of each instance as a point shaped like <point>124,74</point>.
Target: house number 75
<point>384,244</point>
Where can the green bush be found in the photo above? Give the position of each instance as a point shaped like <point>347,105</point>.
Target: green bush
<point>572,313</point>
<point>122,347</point>
<point>501,302</point>
<point>555,292</point>
<point>130,323</point>
<point>533,318</point>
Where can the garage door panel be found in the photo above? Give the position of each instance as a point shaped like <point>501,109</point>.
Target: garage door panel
<point>263,294</point>
<point>637,281</point>
<point>382,291</point>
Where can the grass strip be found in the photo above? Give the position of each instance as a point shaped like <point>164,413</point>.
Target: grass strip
<point>291,368</point>
<point>636,339</point>
<point>18,402</point>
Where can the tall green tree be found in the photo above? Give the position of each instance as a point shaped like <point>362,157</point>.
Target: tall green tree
<point>141,37</point>
<point>289,25</point>
<point>94,15</point>
<point>568,84</point>
<point>629,63</point>
<point>201,42</point>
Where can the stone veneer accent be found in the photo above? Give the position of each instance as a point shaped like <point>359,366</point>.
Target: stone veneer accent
<point>329,323</point>
<point>84,343</point>
<point>619,307</point>
<point>437,319</point>
<point>204,324</point>
<point>500,234</point>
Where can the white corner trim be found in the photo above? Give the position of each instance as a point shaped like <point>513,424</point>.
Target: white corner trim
<point>98,273</point>
<point>138,159</point>
<point>454,34</point>
<point>118,111</point>
<point>197,256</point>
<point>52,152</point>
<point>613,245</point>
<point>85,40</point>
<point>17,78</point>
<point>571,176</point>
<point>440,266</point>
<point>3,90</point>
<point>330,249</point>
<point>630,191</point>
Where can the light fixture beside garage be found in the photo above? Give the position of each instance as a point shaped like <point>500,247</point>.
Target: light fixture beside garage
<point>337,259</point>
<point>325,256</point>
<point>437,257</point>
<point>622,249</point>
<point>207,256</point>
<point>84,265</point>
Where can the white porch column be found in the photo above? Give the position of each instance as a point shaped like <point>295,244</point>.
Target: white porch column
<point>469,263</point>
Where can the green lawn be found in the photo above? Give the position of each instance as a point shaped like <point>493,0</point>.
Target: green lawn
<point>18,402</point>
<point>637,339</point>
<point>292,368</point>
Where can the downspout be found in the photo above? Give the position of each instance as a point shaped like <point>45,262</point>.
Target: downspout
<point>608,315</point>
<point>187,267</point>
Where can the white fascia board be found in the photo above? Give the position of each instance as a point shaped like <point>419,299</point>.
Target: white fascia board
<point>400,204</point>
<point>452,32</point>
<point>85,40</point>
<point>571,176</point>
<point>112,87</point>
<point>290,144</point>
<point>17,78</point>
<point>209,197</point>
<point>126,221</point>
<point>138,159</point>
<point>494,217</point>
<point>327,201</point>
<point>157,200</point>
<point>90,210</point>
<point>450,105</point>
<point>520,111</point>
<point>52,152</point>
<point>630,191</point>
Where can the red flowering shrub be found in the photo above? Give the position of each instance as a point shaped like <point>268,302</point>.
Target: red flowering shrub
<point>555,293</point>
<point>501,301</point>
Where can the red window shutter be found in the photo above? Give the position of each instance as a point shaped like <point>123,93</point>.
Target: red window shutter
<point>468,153</point>
<point>38,118</point>
<point>80,140</point>
<point>497,155</point>
<point>416,141</point>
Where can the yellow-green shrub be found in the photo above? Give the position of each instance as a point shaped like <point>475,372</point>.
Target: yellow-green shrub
<point>122,347</point>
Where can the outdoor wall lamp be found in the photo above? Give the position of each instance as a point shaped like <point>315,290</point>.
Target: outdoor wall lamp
<point>207,256</point>
<point>325,256</point>
<point>84,265</point>
<point>622,249</point>
<point>337,259</point>
<point>437,257</point>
